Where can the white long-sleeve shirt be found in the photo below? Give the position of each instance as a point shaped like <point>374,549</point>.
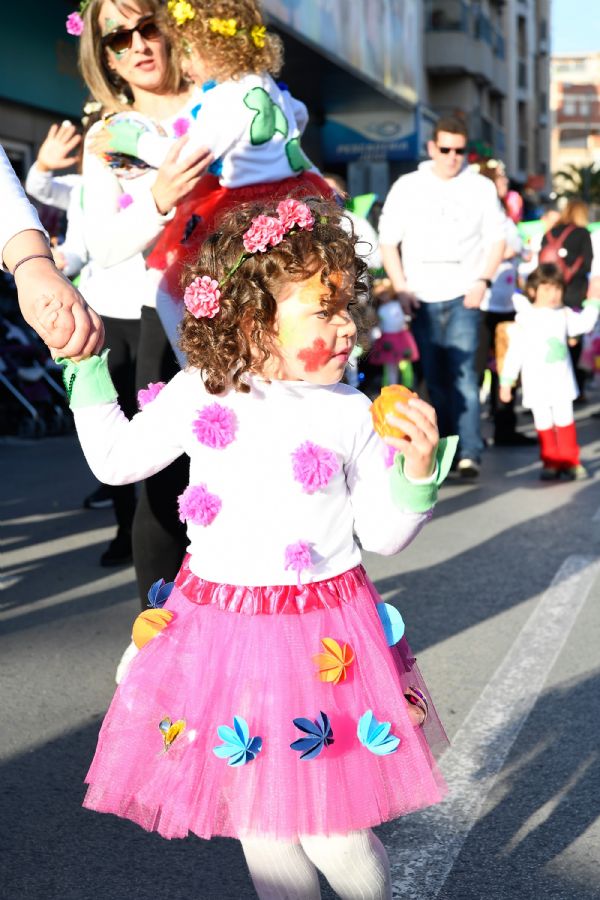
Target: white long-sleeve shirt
<point>264,509</point>
<point>17,214</point>
<point>446,229</point>
<point>53,190</point>
<point>539,351</point>
<point>252,127</point>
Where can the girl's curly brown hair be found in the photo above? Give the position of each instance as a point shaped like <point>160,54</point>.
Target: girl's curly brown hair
<point>227,56</point>
<point>240,338</point>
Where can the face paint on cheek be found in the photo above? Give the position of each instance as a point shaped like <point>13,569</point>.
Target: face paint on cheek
<point>287,333</point>
<point>316,356</point>
<point>109,25</point>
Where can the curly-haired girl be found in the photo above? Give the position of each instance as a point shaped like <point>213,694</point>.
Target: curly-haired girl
<point>279,702</point>
<point>251,124</point>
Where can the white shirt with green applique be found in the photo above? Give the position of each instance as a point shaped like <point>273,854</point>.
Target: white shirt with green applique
<point>252,126</point>
<point>538,350</point>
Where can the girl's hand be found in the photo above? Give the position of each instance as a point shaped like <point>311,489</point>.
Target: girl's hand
<point>177,178</point>
<point>419,447</point>
<point>505,393</point>
<point>57,149</point>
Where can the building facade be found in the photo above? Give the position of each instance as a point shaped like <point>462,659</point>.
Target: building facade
<point>575,102</point>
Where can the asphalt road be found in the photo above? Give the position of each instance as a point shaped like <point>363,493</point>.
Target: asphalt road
<point>500,595</point>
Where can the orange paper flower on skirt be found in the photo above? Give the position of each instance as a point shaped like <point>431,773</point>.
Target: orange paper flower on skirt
<point>333,664</point>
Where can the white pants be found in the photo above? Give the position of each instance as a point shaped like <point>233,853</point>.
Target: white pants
<point>355,865</point>
<point>560,413</point>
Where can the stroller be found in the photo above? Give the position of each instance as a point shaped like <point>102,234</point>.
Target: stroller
<point>33,402</point>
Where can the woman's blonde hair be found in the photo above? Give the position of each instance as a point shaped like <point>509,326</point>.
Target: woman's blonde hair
<point>105,86</point>
<point>575,213</point>
<point>242,49</point>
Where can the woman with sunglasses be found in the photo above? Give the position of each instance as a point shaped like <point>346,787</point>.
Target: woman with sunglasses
<point>128,66</point>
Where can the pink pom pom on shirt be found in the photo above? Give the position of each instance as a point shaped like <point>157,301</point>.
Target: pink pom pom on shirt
<point>125,200</point>
<point>74,24</point>
<point>264,232</point>
<point>148,394</point>
<point>215,426</point>
<point>314,466</point>
<point>297,557</point>
<point>198,505</point>
<point>202,296</point>
<point>181,126</point>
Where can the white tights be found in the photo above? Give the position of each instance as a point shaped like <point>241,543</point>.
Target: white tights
<point>355,865</point>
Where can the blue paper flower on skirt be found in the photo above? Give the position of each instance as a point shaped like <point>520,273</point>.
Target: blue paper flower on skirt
<point>319,733</point>
<point>375,736</point>
<point>159,593</point>
<point>237,747</point>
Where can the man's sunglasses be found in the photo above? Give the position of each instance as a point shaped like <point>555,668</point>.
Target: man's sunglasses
<point>460,151</point>
<point>121,40</point>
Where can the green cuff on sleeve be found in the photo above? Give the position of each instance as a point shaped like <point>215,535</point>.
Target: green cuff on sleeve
<point>505,381</point>
<point>88,382</point>
<point>125,137</point>
<point>592,301</point>
<point>419,498</point>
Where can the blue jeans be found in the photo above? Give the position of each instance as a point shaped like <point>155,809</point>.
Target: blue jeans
<point>447,335</point>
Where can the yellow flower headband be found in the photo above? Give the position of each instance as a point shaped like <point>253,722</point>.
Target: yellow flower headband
<point>181,11</point>
<point>228,28</point>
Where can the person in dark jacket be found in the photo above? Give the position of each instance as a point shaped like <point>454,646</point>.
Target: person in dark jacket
<point>569,246</point>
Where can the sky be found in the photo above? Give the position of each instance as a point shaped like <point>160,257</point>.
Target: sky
<point>575,25</point>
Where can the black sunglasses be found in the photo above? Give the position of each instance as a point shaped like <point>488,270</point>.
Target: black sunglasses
<point>121,40</point>
<point>460,151</point>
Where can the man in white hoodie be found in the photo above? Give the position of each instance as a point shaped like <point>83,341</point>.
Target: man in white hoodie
<point>441,239</point>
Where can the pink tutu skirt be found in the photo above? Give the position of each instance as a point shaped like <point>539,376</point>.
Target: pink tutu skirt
<point>393,348</point>
<point>249,653</point>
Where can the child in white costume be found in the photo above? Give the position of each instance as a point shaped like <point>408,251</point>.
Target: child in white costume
<point>538,350</point>
<point>251,124</point>
<point>272,625</point>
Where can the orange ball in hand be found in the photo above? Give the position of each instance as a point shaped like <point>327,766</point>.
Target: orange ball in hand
<point>386,404</point>
<point>148,624</point>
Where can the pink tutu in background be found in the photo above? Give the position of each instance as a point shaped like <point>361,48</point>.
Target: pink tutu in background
<point>393,347</point>
<point>249,652</point>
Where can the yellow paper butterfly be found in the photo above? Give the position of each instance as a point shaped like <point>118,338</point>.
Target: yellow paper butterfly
<point>333,664</point>
<point>170,730</point>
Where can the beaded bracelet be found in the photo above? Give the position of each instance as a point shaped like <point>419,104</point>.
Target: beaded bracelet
<point>33,256</point>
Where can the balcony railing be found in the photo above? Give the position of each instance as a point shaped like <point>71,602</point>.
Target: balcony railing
<point>456,15</point>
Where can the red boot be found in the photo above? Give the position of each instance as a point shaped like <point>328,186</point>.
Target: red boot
<point>568,448</point>
<point>549,454</point>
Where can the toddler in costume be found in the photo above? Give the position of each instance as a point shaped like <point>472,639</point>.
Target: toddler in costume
<point>251,124</point>
<point>538,350</point>
<point>281,704</point>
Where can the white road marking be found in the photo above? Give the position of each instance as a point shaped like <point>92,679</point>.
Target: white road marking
<point>424,847</point>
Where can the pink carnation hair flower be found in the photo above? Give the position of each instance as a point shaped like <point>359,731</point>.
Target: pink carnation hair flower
<point>215,426</point>
<point>294,212</point>
<point>74,24</point>
<point>181,126</point>
<point>202,296</point>
<point>198,505</point>
<point>150,393</point>
<point>264,232</point>
<point>125,200</point>
<point>297,557</point>
<point>314,466</point>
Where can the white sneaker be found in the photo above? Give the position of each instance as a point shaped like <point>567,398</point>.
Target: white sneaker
<point>468,468</point>
<point>130,652</point>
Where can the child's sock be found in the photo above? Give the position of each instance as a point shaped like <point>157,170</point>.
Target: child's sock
<point>355,864</point>
<point>280,870</point>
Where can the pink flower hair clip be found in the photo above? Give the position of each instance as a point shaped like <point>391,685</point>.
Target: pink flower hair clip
<point>202,297</point>
<point>74,23</point>
<point>269,231</point>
